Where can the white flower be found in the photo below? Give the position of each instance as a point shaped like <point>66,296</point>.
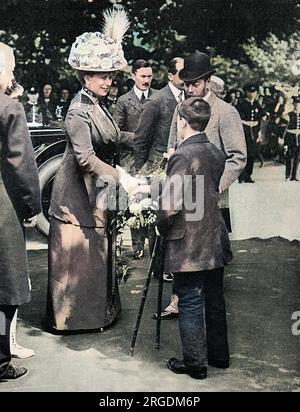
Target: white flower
<point>80,49</point>
<point>96,62</point>
<point>106,63</point>
<point>84,60</point>
<point>145,203</point>
<point>131,221</point>
<point>102,48</point>
<point>135,208</point>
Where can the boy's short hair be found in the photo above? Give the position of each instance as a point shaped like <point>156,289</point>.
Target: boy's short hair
<point>196,112</point>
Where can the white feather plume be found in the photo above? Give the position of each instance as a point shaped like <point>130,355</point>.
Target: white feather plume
<point>116,23</point>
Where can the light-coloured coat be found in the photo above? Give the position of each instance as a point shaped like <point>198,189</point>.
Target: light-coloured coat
<point>225,131</point>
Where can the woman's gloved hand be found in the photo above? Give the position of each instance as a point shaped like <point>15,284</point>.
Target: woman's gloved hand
<point>129,183</point>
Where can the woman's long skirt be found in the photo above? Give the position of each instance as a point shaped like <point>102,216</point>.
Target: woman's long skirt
<point>82,288</point>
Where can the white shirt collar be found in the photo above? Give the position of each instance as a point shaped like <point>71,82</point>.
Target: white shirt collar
<point>139,92</point>
<point>176,92</point>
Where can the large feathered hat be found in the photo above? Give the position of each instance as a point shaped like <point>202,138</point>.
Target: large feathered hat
<point>102,52</point>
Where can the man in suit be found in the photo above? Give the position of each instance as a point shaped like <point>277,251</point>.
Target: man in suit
<point>224,130</point>
<point>127,114</point>
<point>19,200</point>
<point>152,133</point>
<point>197,243</point>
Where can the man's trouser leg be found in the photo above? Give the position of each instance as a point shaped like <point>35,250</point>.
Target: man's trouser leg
<point>250,162</point>
<point>215,316</point>
<point>6,317</point>
<point>189,287</point>
<point>250,143</point>
<point>295,163</point>
<point>138,239</point>
<point>288,163</point>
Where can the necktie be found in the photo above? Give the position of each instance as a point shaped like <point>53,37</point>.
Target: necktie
<point>180,97</point>
<point>143,99</point>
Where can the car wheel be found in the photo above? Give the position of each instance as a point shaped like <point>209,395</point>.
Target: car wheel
<point>47,172</point>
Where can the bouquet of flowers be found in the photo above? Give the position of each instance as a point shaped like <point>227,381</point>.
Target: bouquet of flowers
<point>139,213</point>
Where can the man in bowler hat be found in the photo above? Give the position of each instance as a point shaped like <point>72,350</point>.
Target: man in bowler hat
<point>225,131</point>
<point>224,128</point>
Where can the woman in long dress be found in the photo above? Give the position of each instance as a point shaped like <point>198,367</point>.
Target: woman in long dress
<point>82,288</point>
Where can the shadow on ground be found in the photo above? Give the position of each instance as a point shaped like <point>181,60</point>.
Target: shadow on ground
<point>262,291</point>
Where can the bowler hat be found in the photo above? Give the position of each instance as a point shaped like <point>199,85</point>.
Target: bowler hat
<point>196,66</point>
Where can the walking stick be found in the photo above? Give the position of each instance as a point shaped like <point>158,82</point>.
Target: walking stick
<point>112,235</point>
<point>160,292</point>
<point>155,253</point>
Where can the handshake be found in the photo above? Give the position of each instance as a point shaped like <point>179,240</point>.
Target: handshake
<point>132,185</point>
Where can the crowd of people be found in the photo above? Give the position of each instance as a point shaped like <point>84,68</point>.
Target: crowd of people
<point>45,108</point>
<point>192,127</point>
<point>264,112</point>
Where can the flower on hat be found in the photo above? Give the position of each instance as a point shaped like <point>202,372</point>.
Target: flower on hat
<point>96,61</point>
<point>106,63</point>
<point>84,61</point>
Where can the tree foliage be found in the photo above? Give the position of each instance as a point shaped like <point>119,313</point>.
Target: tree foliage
<point>236,33</point>
<point>275,59</point>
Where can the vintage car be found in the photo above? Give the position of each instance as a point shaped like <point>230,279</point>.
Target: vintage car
<point>49,144</point>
